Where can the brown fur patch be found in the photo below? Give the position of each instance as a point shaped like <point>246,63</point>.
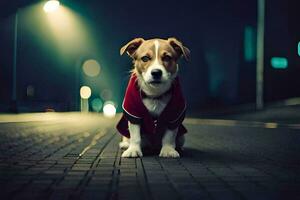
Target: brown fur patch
<point>167,56</point>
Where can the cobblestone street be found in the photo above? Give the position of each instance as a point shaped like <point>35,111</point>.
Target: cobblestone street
<point>77,157</point>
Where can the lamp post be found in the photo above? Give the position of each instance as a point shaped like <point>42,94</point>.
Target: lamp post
<point>260,53</point>
<point>13,103</point>
<point>50,6</point>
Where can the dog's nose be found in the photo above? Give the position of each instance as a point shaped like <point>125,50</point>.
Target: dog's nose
<point>156,73</point>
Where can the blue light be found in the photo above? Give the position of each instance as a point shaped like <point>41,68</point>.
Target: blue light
<point>279,63</point>
<point>298,48</point>
<point>249,44</point>
<point>97,104</point>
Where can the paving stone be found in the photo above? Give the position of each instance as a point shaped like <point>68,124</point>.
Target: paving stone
<point>225,195</point>
<point>94,194</point>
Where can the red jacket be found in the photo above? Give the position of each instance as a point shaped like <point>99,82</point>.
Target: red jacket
<point>135,111</point>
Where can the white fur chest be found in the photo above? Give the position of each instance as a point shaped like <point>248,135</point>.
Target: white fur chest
<point>156,106</point>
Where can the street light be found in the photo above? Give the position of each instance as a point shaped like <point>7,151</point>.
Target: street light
<point>261,4</point>
<point>51,6</point>
<point>13,103</point>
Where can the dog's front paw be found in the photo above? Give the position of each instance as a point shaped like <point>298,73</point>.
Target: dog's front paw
<point>132,152</point>
<point>168,152</point>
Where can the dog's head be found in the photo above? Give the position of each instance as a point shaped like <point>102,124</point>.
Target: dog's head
<point>155,61</point>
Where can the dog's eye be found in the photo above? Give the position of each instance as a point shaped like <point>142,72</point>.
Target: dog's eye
<point>167,58</point>
<point>145,58</point>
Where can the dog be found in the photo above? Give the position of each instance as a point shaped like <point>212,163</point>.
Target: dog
<point>154,107</point>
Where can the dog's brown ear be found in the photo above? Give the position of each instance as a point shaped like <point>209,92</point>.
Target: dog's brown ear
<point>179,48</point>
<point>131,46</point>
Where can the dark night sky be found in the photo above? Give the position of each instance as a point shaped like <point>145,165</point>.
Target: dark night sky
<point>213,30</point>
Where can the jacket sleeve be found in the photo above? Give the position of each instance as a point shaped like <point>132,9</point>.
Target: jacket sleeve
<point>131,118</point>
<point>130,105</point>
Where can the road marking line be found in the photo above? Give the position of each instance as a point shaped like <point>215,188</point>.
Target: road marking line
<point>93,142</point>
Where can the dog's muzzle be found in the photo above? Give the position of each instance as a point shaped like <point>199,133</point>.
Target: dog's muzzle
<point>156,75</point>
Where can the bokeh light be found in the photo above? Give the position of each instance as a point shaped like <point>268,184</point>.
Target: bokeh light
<point>271,125</point>
<point>279,62</point>
<point>109,109</point>
<point>51,6</point>
<point>106,94</point>
<point>91,68</point>
<point>97,104</point>
<point>85,92</point>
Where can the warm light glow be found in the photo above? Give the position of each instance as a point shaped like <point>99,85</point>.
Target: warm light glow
<point>271,125</point>
<point>97,104</point>
<point>91,68</point>
<point>85,92</point>
<point>69,33</point>
<point>109,109</point>
<point>51,6</point>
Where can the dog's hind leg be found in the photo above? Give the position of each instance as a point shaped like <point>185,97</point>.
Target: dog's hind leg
<point>180,142</point>
<point>125,143</point>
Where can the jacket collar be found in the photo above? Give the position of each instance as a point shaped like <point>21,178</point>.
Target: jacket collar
<point>144,95</point>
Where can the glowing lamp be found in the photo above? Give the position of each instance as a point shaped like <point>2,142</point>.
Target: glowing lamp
<point>51,6</point>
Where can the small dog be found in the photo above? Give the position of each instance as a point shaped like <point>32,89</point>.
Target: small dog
<point>154,106</point>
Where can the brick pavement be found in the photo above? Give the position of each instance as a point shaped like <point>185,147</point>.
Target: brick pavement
<point>72,160</point>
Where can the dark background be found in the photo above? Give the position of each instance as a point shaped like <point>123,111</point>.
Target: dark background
<point>217,77</point>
